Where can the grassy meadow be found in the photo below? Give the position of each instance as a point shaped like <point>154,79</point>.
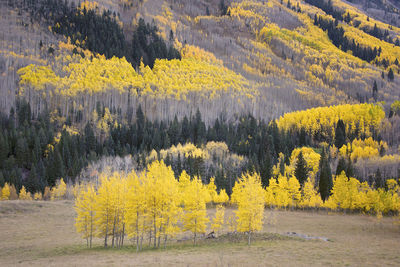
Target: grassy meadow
<point>43,234</point>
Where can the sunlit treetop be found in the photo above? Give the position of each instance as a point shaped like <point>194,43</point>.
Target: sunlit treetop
<point>198,72</point>
<point>360,117</point>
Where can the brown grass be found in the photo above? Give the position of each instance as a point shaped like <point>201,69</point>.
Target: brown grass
<point>43,234</point>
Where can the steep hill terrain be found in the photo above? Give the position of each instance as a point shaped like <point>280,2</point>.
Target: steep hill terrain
<point>86,80</point>
<point>282,55</point>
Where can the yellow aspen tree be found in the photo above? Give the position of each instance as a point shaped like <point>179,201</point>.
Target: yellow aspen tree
<point>161,198</point>
<point>282,196</point>
<point>171,227</point>
<point>309,197</point>
<point>378,202</point>
<point>212,190</point>
<point>85,208</point>
<point>103,209</point>
<point>23,195</point>
<point>58,192</point>
<point>339,192</point>
<point>13,193</point>
<point>393,190</point>
<point>37,196</point>
<point>117,207</point>
<point>77,188</point>
<point>270,192</point>
<point>218,220</point>
<point>5,192</point>
<point>221,198</point>
<point>171,211</point>
<point>135,218</point>
<point>195,216</point>
<point>117,190</point>
<point>184,182</point>
<point>346,194</point>
<point>294,191</point>
<point>249,196</point>
<point>372,196</point>
<point>47,193</point>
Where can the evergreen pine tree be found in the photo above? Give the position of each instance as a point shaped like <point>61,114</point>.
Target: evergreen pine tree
<point>379,183</point>
<point>390,75</point>
<point>342,166</point>
<point>375,91</point>
<point>199,129</point>
<point>90,139</point>
<point>282,166</point>
<point>4,149</point>
<point>301,171</point>
<point>349,169</point>
<point>32,184</point>
<point>266,170</point>
<point>325,177</point>
<point>340,134</point>
<point>2,181</point>
<point>21,152</point>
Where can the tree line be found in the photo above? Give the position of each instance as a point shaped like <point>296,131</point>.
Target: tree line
<point>37,150</point>
<point>340,15</point>
<point>336,34</point>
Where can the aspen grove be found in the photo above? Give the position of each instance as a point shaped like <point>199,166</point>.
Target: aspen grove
<point>155,207</point>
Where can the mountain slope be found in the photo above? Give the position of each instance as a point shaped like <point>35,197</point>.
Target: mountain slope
<point>277,47</point>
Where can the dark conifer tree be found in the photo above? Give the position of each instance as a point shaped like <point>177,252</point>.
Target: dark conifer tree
<point>342,166</point>
<point>349,169</point>
<point>390,75</point>
<point>301,171</point>
<point>325,177</point>
<point>90,139</point>
<point>375,91</point>
<point>340,134</point>
<point>266,170</point>
<point>2,181</point>
<point>379,183</point>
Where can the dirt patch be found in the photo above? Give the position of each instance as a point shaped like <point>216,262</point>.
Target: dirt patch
<point>306,237</point>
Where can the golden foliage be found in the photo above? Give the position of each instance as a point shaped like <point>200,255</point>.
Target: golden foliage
<point>218,220</point>
<point>248,194</point>
<point>218,150</point>
<point>5,192</point>
<point>195,52</point>
<point>363,149</point>
<point>351,194</point>
<point>23,195</point>
<point>37,196</point>
<point>310,156</point>
<point>58,192</point>
<point>168,78</point>
<point>322,120</point>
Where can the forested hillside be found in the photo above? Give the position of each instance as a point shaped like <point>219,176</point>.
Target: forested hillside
<point>297,101</point>
<point>277,51</point>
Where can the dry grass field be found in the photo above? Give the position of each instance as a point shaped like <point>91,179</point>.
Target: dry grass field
<point>43,234</point>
